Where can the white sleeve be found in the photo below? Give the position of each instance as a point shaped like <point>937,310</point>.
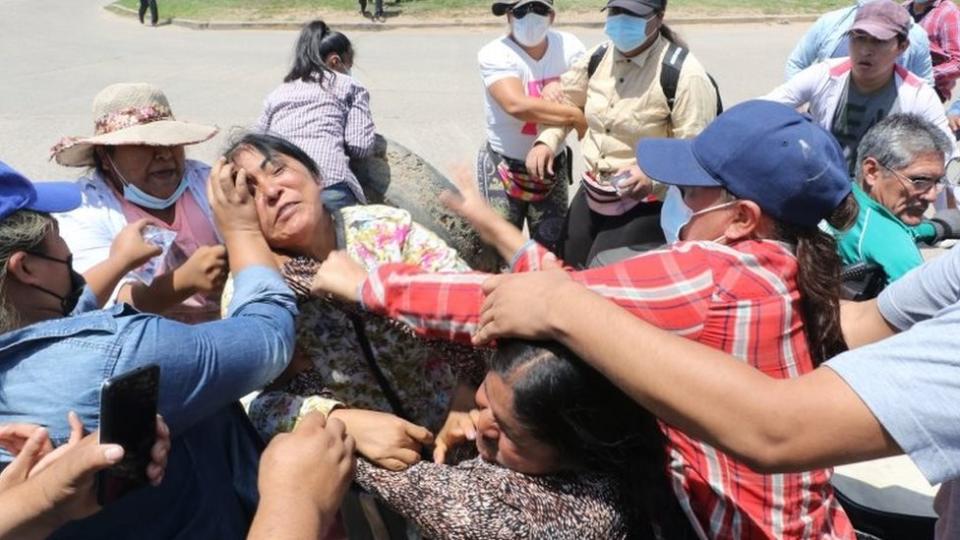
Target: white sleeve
<point>496,64</point>
<point>88,234</point>
<point>932,110</point>
<point>801,87</point>
<point>573,49</point>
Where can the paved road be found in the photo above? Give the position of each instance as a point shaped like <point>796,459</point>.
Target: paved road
<point>426,92</point>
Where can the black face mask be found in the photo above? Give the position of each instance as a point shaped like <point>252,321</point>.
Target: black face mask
<point>69,302</point>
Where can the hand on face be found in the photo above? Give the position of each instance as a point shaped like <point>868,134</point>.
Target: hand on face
<point>231,200</point>
<point>459,428</point>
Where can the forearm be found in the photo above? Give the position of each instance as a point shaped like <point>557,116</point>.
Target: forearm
<point>104,278</point>
<point>166,290</point>
<point>287,518</point>
<point>862,323</point>
<point>496,231</point>
<point>444,306</point>
<point>247,248</point>
<point>541,111</point>
<point>773,425</point>
<point>24,514</point>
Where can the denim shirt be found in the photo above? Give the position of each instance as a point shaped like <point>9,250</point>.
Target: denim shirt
<point>52,367</point>
<point>822,39</point>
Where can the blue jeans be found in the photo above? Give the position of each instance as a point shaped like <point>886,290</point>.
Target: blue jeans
<point>338,196</point>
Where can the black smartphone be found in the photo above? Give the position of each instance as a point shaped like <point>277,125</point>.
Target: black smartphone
<point>128,417</point>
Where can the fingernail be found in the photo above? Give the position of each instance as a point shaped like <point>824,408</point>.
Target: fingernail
<point>113,452</point>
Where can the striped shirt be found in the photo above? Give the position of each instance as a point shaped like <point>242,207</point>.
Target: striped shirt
<point>941,21</point>
<point>331,122</point>
<point>742,299</point>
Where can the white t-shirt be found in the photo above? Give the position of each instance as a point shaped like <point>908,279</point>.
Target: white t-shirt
<point>503,58</point>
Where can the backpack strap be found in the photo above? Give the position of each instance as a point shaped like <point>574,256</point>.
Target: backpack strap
<point>595,59</point>
<point>670,71</point>
<point>670,75</point>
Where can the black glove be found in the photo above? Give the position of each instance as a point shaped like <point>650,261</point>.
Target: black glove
<point>947,224</point>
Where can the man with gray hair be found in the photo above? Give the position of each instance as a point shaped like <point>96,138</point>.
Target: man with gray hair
<point>899,174</point>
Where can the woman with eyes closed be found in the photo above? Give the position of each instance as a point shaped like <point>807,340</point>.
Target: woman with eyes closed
<point>390,388</point>
<point>564,454</point>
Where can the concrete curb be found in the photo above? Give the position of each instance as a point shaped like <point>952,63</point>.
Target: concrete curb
<point>450,23</point>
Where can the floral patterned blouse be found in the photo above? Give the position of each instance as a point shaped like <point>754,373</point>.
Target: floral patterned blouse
<point>480,500</point>
<point>423,374</point>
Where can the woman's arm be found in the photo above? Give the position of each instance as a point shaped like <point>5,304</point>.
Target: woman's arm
<point>471,206</point>
<point>442,500</point>
<point>508,93</point>
<point>127,252</point>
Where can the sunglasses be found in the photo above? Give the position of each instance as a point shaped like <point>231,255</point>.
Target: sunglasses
<point>920,184</point>
<point>536,7</point>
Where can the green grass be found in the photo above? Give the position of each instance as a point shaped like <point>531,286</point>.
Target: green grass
<point>299,9</point>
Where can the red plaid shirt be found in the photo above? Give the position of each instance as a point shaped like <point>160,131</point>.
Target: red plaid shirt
<point>742,299</point>
<point>942,24</point>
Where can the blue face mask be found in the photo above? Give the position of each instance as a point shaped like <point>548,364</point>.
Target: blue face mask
<point>675,214</point>
<point>143,199</point>
<point>626,32</point>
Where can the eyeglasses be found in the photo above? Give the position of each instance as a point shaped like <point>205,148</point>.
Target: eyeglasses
<point>536,7</point>
<point>920,184</point>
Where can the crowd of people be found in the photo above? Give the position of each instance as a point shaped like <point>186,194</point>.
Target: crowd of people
<point>672,352</point>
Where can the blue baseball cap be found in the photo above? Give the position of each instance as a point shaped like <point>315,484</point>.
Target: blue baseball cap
<point>17,193</point>
<point>759,151</point>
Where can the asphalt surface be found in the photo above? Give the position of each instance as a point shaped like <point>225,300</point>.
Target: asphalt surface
<point>426,93</point>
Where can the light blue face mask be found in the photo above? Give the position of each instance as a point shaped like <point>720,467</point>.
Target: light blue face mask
<point>626,32</point>
<point>675,214</point>
<point>143,199</point>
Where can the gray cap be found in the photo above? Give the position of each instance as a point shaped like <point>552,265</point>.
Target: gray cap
<point>638,7</point>
<point>499,8</point>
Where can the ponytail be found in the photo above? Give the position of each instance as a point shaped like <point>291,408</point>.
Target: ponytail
<point>819,280</point>
<point>316,41</point>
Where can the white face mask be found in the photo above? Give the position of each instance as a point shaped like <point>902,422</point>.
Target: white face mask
<point>531,30</point>
<point>675,214</point>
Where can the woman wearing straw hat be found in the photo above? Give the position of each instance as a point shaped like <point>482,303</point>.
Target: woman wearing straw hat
<point>138,170</point>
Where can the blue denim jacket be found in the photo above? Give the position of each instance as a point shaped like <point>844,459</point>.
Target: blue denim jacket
<point>822,39</point>
<point>52,367</point>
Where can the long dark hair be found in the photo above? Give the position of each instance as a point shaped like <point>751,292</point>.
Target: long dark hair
<point>269,146</point>
<point>594,426</point>
<point>819,280</point>
<point>316,41</point>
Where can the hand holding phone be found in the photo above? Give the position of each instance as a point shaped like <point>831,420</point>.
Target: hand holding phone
<point>128,417</point>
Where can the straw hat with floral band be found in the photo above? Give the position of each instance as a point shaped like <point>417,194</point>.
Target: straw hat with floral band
<point>131,114</point>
